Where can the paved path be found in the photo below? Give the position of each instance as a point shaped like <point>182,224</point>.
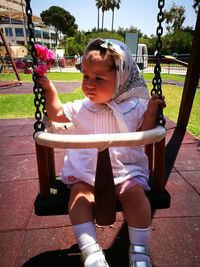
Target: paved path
<point>27,240</point>
<point>27,87</point>
<point>62,86</point>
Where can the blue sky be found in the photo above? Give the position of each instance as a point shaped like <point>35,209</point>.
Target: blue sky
<point>141,14</point>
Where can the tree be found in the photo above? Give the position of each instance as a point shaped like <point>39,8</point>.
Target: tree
<point>78,43</point>
<point>61,19</point>
<point>196,5</point>
<point>189,30</point>
<point>98,5</point>
<point>174,18</point>
<point>122,31</point>
<point>114,4</point>
<point>179,42</point>
<point>104,6</point>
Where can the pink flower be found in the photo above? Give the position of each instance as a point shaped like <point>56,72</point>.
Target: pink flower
<point>41,51</point>
<point>20,64</point>
<point>45,60</point>
<point>27,71</point>
<point>50,57</point>
<point>45,54</point>
<point>41,69</point>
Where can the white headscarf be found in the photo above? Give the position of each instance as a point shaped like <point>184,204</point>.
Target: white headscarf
<point>129,82</point>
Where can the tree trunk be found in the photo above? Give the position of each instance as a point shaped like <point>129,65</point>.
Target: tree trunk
<point>98,20</point>
<point>102,20</point>
<point>112,20</point>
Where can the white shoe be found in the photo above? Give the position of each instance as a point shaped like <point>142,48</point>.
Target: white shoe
<point>138,256</point>
<point>93,256</point>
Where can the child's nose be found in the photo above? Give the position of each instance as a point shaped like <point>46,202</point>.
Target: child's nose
<point>90,85</point>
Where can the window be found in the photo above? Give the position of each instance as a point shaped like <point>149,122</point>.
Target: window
<point>4,20</point>
<point>45,35</point>
<point>53,36</point>
<point>19,32</point>
<point>8,32</point>
<point>21,43</point>
<point>38,34</point>
<point>16,21</point>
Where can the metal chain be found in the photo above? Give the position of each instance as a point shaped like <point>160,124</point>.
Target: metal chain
<point>157,80</point>
<point>37,90</point>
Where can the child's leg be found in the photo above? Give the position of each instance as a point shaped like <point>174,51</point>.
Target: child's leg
<point>137,212</point>
<point>81,203</point>
<point>81,215</point>
<point>136,207</point>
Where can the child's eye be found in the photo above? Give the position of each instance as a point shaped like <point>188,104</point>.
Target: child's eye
<point>85,77</point>
<point>99,78</point>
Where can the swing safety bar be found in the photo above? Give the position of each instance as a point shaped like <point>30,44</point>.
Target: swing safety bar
<point>100,141</point>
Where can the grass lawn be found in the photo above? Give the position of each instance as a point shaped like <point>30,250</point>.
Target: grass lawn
<point>21,106</point>
<point>54,76</point>
<point>76,76</point>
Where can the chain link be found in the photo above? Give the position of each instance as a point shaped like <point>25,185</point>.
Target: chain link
<point>37,90</point>
<point>157,80</point>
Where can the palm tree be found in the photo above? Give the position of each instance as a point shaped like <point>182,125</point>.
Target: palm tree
<point>112,5</point>
<point>196,5</point>
<point>105,5</point>
<point>98,5</point>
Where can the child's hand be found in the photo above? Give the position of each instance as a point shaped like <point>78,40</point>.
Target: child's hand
<point>154,103</point>
<point>44,82</point>
<point>151,114</point>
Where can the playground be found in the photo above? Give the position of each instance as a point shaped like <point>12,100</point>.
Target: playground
<point>35,228</point>
<point>30,240</point>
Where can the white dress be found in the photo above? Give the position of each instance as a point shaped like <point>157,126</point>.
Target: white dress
<point>91,118</point>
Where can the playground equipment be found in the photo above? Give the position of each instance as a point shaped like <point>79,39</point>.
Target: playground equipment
<point>12,63</point>
<point>53,195</point>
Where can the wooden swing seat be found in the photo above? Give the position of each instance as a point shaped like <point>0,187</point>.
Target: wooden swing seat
<point>57,201</point>
<point>54,195</point>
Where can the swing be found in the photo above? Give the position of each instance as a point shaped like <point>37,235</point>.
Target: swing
<point>54,195</point>
<point>4,64</point>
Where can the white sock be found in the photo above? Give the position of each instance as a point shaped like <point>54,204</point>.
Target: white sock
<point>85,234</point>
<point>139,236</point>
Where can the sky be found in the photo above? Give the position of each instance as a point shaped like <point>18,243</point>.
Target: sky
<point>140,14</point>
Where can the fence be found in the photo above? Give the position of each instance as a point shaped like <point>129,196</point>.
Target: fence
<point>169,64</point>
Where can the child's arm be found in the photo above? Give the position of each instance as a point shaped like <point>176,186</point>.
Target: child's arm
<point>150,116</point>
<point>53,104</point>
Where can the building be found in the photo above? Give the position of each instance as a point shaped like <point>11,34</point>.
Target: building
<point>13,23</point>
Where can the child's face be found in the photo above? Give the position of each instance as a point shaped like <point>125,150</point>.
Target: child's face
<point>98,82</point>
